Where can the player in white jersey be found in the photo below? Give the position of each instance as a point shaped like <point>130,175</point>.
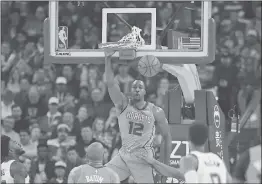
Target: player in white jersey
<point>94,171</point>
<point>198,166</point>
<point>137,122</point>
<point>12,171</point>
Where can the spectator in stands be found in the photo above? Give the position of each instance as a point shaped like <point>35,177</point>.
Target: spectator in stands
<point>21,39</point>
<point>101,108</point>
<point>84,140</point>
<point>34,24</point>
<point>60,89</point>
<point>95,80</point>
<point>35,133</point>
<point>69,104</point>
<point>35,106</point>
<point>84,97</point>
<point>83,117</point>
<point>28,146</point>
<point>27,163</point>
<point>42,168</point>
<point>7,128</point>
<point>6,103</point>
<point>106,155</point>
<point>73,159</point>
<point>72,84</point>
<point>21,97</point>
<point>99,129</point>
<point>20,123</point>
<point>249,74</point>
<point>60,173</point>
<point>39,80</point>
<point>49,122</point>
<point>59,145</point>
<point>75,128</point>
<point>8,56</point>
<point>13,82</point>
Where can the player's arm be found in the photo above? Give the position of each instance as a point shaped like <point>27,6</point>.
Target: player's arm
<point>188,166</point>
<point>166,170</point>
<point>162,123</point>
<point>73,175</point>
<point>118,98</point>
<point>239,173</point>
<point>18,172</point>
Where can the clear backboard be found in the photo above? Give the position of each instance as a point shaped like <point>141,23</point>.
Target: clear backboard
<point>174,32</point>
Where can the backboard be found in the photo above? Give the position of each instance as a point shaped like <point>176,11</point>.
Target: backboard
<point>174,32</point>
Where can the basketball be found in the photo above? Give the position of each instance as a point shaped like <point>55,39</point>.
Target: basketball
<point>149,66</point>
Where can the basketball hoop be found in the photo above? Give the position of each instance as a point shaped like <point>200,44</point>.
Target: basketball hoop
<point>127,46</point>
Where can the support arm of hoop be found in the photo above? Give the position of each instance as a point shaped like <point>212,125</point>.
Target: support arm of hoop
<point>188,79</point>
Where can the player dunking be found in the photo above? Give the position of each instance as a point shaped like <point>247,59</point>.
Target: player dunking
<point>93,171</point>
<point>198,166</point>
<point>137,122</point>
<point>12,171</point>
<point>62,36</point>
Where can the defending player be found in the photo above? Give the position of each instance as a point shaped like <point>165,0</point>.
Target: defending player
<point>137,122</point>
<point>94,171</point>
<point>198,166</point>
<point>12,171</point>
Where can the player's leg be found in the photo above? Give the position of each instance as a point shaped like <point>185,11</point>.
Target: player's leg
<point>141,171</point>
<point>119,166</point>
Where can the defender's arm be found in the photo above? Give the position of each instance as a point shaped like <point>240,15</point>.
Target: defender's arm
<point>162,123</point>
<point>18,172</point>
<point>188,165</point>
<point>166,170</point>
<point>114,91</point>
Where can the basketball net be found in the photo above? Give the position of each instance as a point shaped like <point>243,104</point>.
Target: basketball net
<point>188,79</point>
<point>132,40</point>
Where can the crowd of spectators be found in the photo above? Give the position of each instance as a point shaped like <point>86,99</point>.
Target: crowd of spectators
<point>56,111</point>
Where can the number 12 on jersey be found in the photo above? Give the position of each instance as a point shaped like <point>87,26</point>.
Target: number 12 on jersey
<point>136,128</point>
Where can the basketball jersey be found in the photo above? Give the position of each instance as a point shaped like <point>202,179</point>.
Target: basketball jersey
<point>211,168</point>
<point>253,172</point>
<point>137,127</point>
<point>6,177</point>
<point>88,174</point>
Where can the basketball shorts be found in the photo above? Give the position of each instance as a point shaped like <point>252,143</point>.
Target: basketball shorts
<point>127,163</point>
